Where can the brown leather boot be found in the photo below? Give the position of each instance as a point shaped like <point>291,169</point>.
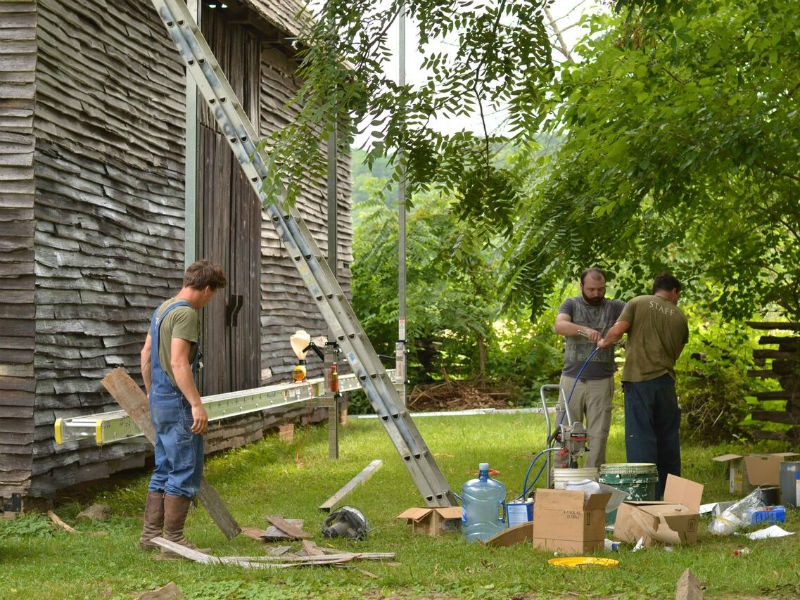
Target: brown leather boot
<point>175,510</point>
<point>153,520</point>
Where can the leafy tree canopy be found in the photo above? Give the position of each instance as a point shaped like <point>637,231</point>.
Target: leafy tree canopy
<point>681,151</point>
<point>481,56</point>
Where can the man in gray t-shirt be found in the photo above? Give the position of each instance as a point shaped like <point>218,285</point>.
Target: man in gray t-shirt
<point>583,321</point>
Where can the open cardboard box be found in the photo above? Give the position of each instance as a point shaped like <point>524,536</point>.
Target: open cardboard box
<point>566,521</point>
<point>433,521</point>
<point>745,473</point>
<point>673,521</point>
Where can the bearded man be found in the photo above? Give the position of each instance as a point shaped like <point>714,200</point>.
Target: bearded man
<point>583,321</point>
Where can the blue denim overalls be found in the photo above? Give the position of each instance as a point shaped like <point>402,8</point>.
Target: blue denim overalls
<point>178,451</point>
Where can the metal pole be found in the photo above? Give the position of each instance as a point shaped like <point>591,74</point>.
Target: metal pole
<point>333,216</point>
<point>400,346</point>
<point>192,216</point>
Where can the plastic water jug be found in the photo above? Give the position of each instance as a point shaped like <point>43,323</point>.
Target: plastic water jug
<point>483,500</point>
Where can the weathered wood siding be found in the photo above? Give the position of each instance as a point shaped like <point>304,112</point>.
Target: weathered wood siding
<point>109,167</point>
<point>286,304</point>
<point>17,310</point>
<point>92,226</point>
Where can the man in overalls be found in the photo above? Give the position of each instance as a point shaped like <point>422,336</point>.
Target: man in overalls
<point>170,359</point>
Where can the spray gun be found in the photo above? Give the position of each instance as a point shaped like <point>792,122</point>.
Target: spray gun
<point>301,343</point>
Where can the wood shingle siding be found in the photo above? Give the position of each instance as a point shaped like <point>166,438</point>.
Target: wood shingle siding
<point>17,188</point>
<point>109,126</point>
<point>92,221</point>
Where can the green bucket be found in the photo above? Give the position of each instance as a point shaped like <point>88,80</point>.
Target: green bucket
<point>637,479</point>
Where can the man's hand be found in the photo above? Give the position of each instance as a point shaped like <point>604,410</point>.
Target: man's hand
<point>591,334</point>
<point>603,344</point>
<point>200,424</point>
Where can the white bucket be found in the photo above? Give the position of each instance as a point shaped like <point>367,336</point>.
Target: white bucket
<point>561,476</point>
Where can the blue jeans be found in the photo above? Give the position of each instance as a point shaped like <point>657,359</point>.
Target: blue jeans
<point>652,421</point>
<point>178,452</point>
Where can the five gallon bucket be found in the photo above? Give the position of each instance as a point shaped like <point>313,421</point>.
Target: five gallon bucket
<point>562,476</point>
<point>638,479</point>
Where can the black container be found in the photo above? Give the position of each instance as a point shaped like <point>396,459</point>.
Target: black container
<point>789,482</point>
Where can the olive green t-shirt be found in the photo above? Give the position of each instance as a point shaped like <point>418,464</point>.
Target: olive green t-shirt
<point>182,322</point>
<point>657,333</point>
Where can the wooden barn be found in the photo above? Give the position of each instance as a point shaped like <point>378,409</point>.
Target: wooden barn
<point>113,177</point>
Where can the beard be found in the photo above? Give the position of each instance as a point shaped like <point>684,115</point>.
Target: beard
<point>592,301</point>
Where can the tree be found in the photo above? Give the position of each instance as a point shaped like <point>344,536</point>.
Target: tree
<point>481,56</point>
<point>681,150</point>
<point>452,302</point>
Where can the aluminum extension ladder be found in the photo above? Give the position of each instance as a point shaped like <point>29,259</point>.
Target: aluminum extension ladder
<point>317,275</point>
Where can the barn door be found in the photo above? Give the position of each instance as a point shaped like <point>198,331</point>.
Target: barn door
<point>230,221</point>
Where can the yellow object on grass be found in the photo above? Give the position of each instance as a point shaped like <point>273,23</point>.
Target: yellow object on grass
<point>583,561</point>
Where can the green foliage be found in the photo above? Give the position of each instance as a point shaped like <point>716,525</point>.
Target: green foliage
<point>681,151</point>
<point>29,525</point>
<point>263,478</point>
<point>496,55</point>
<point>451,299</point>
<point>712,382</point>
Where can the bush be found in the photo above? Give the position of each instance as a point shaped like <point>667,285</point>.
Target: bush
<point>712,382</point>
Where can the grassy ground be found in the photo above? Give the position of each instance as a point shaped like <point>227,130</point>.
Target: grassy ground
<point>39,562</point>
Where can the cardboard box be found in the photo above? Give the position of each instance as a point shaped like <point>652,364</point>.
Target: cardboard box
<point>433,521</point>
<point>748,472</point>
<point>673,521</point>
<point>565,521</point>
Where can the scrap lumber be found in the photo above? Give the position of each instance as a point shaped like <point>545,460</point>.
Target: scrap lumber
<point>55,519</point>
<point>312,549</point>
<point>286,526</point>
<point>168,592</point>
<point>133,401</point>
<point>365,474</point>
<point>268,562</point>
<point>689,587</point>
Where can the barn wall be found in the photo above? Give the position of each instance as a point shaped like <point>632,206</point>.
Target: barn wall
<point>286,304</point>
<point>108,162</point>
<point>17,311</point>
<point>109,239</point>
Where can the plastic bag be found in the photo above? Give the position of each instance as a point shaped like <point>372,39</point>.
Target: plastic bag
<point>737,515</point>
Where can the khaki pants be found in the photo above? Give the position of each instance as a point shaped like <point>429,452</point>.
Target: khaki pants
<point>592,400</point>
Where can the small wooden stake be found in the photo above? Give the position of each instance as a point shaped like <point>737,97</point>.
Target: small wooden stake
<point>365,474</point>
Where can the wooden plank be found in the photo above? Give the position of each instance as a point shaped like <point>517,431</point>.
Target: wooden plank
<point>287,527</point>
<point>775,354</point>
<point>363,476</point>
<point>776,416</point>
<point>780,325</point>
<point>312,549</point>
<point>206,559</point>
<point>133,401</point>
<point>777,395</point>
<point>787,343</point>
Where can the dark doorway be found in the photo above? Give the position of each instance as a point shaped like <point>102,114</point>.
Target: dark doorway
<point>230,218</point>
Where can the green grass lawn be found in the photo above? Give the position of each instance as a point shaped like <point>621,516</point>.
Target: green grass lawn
<point>263,478</point>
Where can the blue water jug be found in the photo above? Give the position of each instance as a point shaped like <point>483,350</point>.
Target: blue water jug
<point>483,500</point>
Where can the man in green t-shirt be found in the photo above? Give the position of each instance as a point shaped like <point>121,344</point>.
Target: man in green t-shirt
<point>657,332</point>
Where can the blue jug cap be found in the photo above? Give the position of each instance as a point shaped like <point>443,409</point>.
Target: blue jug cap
<point>483,466</point>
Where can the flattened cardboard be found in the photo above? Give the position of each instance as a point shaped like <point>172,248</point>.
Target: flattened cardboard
<point>748,472</point>
<point>513,535</point>
<point>673,521</point>
<point>433,521</point>
<point>563,522</point>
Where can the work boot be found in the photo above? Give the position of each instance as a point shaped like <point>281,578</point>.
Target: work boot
<point>153,520</point>
<point>175,510</point>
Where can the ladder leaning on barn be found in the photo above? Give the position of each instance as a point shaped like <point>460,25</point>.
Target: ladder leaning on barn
<point>314,270</point>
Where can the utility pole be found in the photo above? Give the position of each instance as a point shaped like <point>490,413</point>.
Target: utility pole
<point>400,346</point>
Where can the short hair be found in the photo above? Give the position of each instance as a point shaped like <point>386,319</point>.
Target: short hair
<point>594,272</point>
<point>203,273</point>
<point>666,282</point>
